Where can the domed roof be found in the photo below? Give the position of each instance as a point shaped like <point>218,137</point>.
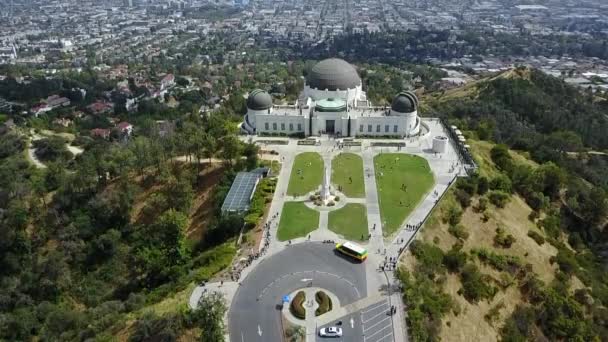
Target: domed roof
<point>330,105</point>
<point>405,102</point>
<point>333,74</point>
<point>259,100</point>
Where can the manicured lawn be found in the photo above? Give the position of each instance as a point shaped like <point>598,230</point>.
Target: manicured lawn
<point>347,172</point>
<point>402,181</point>
<point>350,222</point>
<point>297,220</point>
<point>306,174</point>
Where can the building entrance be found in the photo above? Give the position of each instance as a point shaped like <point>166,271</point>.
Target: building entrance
<point>330,126</point>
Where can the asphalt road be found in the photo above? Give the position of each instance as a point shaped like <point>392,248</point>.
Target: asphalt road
<point>371,324</point>
<point>376,322</point>
<point>255,314</point>
<point>350,333</point>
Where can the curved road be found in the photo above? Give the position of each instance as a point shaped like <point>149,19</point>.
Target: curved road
<point>255,313</point>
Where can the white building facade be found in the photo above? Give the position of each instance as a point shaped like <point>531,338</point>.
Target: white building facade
<point>332,102</point>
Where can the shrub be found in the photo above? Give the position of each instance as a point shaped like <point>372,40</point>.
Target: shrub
<point>331,203</point>
<point>506,280</point>
<point>337,198</point>
<point>482,185</point>
<point>494,313</point>
<point>501,157</point>
<point>482,204</point>
<point>485,217</point>
<point>532,289</point>
<point>459,232</point>
<point>537,201</point>
<point>499,262</point>
<point>536,237</point>
<point>324,302</point>
<point>475,285</point>
<point>454,260</point>
<point>552,225</point>
<point>501,183</point>
<point>468,185</point>
<point>430,258</point>
<point>453,215</point>
<point>463,198</point>
<point>502,239</point>
<point>498,198</point>
<point>520,326</point>
<point>297,305</point>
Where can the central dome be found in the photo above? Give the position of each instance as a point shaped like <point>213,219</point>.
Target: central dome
<point>333,74</point>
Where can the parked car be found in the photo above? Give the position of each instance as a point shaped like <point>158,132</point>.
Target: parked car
<point>330,332</point>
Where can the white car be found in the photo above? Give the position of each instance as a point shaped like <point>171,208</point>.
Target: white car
<point>330,332</point>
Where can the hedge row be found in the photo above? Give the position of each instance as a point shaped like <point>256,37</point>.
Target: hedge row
<point>324,303</point>
<point>297,305</point>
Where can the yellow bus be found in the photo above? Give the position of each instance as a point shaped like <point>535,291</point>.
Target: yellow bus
<point>352,250</point>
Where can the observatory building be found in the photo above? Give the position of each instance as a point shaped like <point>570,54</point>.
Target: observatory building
<point>332,102</point>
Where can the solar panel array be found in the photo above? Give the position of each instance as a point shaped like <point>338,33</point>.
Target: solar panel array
<point>239,195</point>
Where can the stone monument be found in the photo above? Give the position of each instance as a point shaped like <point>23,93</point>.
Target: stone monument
<point>325,194</point>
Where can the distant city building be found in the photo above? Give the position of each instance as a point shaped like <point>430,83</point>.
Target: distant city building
<point>332,102</point>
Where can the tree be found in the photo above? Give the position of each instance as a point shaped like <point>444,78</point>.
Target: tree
<point>52,149</point>
<point>565,141</point>
<point>210,315</point>
<point>179,193</point>
<point>501,183</point>
<point>231,147</point>
<point>498,198</point>
<point>550,177</point>
<point>501,157</point>
<point>162,246</point>
<point>593,207</point>
<point>250,151</point>
<point>181,81</point>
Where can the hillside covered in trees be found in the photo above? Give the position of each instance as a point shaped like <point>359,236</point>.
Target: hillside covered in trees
<point>111,244</point>
<point>519,251</point>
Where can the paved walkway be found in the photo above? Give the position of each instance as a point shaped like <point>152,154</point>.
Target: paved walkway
<point>311,306</point>
<point>371,202</point>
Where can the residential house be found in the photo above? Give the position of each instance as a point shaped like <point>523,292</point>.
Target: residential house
<point>125,128</point>
<point>167,82</point>
<point>65,122</point>
<point>100,107</point>
<point>100,133</point>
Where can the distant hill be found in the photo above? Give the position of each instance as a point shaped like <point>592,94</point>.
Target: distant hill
<point>524,101</point>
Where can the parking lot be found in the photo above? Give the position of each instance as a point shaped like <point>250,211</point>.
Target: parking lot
<point>376,322</point>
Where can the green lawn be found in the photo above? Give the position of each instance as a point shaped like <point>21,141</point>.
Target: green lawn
<point>347,172</point>
<point>306,174</point>
<point>392,171</point>
<point>350,222</point>
<point>297,220</point>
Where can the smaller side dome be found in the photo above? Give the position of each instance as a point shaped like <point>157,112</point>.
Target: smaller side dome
<point>259,100</point>
<point>405,102</point>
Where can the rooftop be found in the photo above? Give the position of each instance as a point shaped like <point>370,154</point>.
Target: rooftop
<point>240,193</point>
